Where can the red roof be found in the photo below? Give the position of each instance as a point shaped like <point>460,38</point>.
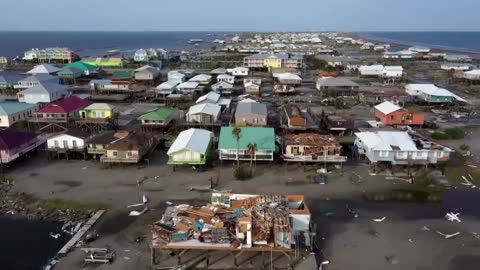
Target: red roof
<point>66,105</point>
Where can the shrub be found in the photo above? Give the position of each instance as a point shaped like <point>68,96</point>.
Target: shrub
<point>440,136</point>
<point>464,147</point>
<point>455,133</point>
<point>421,178</point>
<point>242,174</point>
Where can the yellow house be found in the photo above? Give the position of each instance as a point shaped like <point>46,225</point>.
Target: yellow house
<point>97,111</point>
<point>272,61</point>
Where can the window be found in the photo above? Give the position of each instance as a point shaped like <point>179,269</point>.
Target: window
<point>115,153</point>
<point>74,143</point>
<point>392,117</point>
<point>439,154</point>
<point>129,153</point>
<point>55,143</point>
<point>65,144</point>
<point>383,153</point>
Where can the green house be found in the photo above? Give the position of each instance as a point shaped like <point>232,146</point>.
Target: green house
<point>104,62</point>
<point>160,117</point>
<point>191,147</point>
<point>76,70</point>
<point>263,137</point>
<point>123,75</point>
<point>4,84</point>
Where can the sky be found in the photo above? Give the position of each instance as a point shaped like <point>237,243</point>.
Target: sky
<point>243,15</point>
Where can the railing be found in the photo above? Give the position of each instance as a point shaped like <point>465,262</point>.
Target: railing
<point>47,120</point>
<point>96,151</point>
<point>295,158</point>
<point>119,159</point>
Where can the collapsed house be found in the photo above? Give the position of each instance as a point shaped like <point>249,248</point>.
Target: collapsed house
<point>235,222</point>
<point>312,147</point>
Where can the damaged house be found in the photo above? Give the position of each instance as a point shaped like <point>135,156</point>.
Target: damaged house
<point>312,147</point>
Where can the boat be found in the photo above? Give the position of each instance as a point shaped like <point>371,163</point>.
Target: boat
<point>195,40</point>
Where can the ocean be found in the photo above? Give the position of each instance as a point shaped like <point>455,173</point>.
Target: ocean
<point>15,43</point>
<point>468,42</point>
<point>26,244</point>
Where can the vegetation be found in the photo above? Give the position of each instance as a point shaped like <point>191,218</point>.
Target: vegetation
<point>57,204</point>
<point>449,134</point>
<point>242,174</point>
<point>237,134</point>
<point>464,147</point>
<point>252,148</point>
<point>422,178</point>
<point>315,63</point>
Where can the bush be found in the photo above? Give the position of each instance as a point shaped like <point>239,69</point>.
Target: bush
<point>464,147</point>
<point>421,178</point>
<point>440,136</point>
<point>455,133</point>
<point>242,174</point>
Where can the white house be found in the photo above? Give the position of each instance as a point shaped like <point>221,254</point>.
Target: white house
<point>456,66</point>
<point>73,139</point>
<point>472,74</point>
<point>373,70</point>
<point>214,98</point>
<point>187,87</point>
<point>32,81</point>
<point>205,113</point>
<point>44,93</point>
<point>44,69</point>
<point>226,78</point>
<point>12,112</point>
<point>419,49</point>
<point>30,55</point>
<point>399,148</point>
<point>190,147</point>
<point>167,88</point>
<point>222,87</point>
<point>238,71</point>
<point>392,71</point>
<point>252,88</point>
<point>431,93</point>
<point>141,56</point>
<point>403,54</point>
<point>176,76</point>
<point>201,79</point>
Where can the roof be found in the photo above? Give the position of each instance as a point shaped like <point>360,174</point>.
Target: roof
<point>213,96</point>
<point>123,74</point>
<point>387,140</point>
<point>205,108</point>
<point>74,132</point>
<point>251,108</point>
<point>10,139</point>
<point>66,105</point>
<point>263,137</point>
<point>45,88</point>
<point>293,110</point>
<point>167,85</point>
<point>131,142</point>
<point>12,107</point>
<point>188,85</point>
<point>201,78</point>
<point>158,114</point>
<point>238,69</point>
<point>81,66</point>
<point>371,67</point>
<point>393,68</point>
<point>196,140</point>
<point>147,69</point>
<point>268,55</point>
<point>43,69</point>
<point>473,72</point>
<point>99,106</point>
<point>288,76</point>
<point>38,78</point>
<point>432,90</point>
<point>338,81</point>
<point>103,138</point>
<point>225,76</point>
<point>387,107</point>
<point>222,85</point>
<point>218,71</point>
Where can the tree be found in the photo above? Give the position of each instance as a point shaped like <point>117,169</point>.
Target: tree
<point>237,134</point>
<point>252,148</point>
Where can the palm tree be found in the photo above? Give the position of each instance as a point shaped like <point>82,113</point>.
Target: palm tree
<point>237,134</point>
<point>252,148</point>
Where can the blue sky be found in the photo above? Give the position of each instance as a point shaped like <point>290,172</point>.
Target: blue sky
<point>244,15</point>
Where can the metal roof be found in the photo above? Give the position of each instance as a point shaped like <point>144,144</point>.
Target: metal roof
<point>195,140</point>
<point>387,107</point>
<point>263,137</point>
<point>251,108</point>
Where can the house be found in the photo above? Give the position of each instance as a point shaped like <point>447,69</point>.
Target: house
<point>101,84</point>
<point>130,149</point>
<point>45,92</point>
<point>222,87</point>
<point>14,144</point>
<point>346,62</point>
<point>254,80</point>
<point>203,79</point>
<point>44,69</point>
<point>77,70</point>
<point>262,137</point>
<point>337,86</point>
<point>279,88</point>
<point>294,117</point>
<point>392,115</point>
<point>12,112</point>
<point>214,98</point>
<point>192,147</point>
<point>288,78</point>
<point>176,76</point>
<point>472,75</point>
<point>32,81</point>
<point>160,117</point>
<point>419,49</point>
<point>30,55</point>
<point>104,62</point>
<point>141,55</point>
<point>97,145</point>
<point>312,147</point>
<point>4,83</point>
<point>251,114</point>
<point>375,97</point>
<point>226,78</point>
<point>188,87</point>
<point>402,54</point>
<point>458,58</point>
<point>239,71</point>
<point>68,143</point>
<point>167,88</point>
<point>392,72</point>
<point>56,54</point>
<point>275,60</point>
<point>430,93</point>
<point>338,124</point>
<point>61,111</point>
<point>97,111</point>
<point>3,60</point>
<point>147,73</point>
<point>373,70</point>
<point>123,77</point>
<point>251,87</point>
<point>205,113</point>
<point>399,148</point>
<point>218,71</point>
<point>456,66</point>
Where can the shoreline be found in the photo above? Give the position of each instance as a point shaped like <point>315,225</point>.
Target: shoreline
<point>406,45</point>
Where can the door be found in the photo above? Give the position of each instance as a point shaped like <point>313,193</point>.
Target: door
<point>84,115</point>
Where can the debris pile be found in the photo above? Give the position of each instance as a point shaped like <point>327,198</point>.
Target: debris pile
<point>235,221</point>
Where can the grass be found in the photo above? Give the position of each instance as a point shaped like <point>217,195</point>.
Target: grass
<point>415,108</point>
<point>62,205</point>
